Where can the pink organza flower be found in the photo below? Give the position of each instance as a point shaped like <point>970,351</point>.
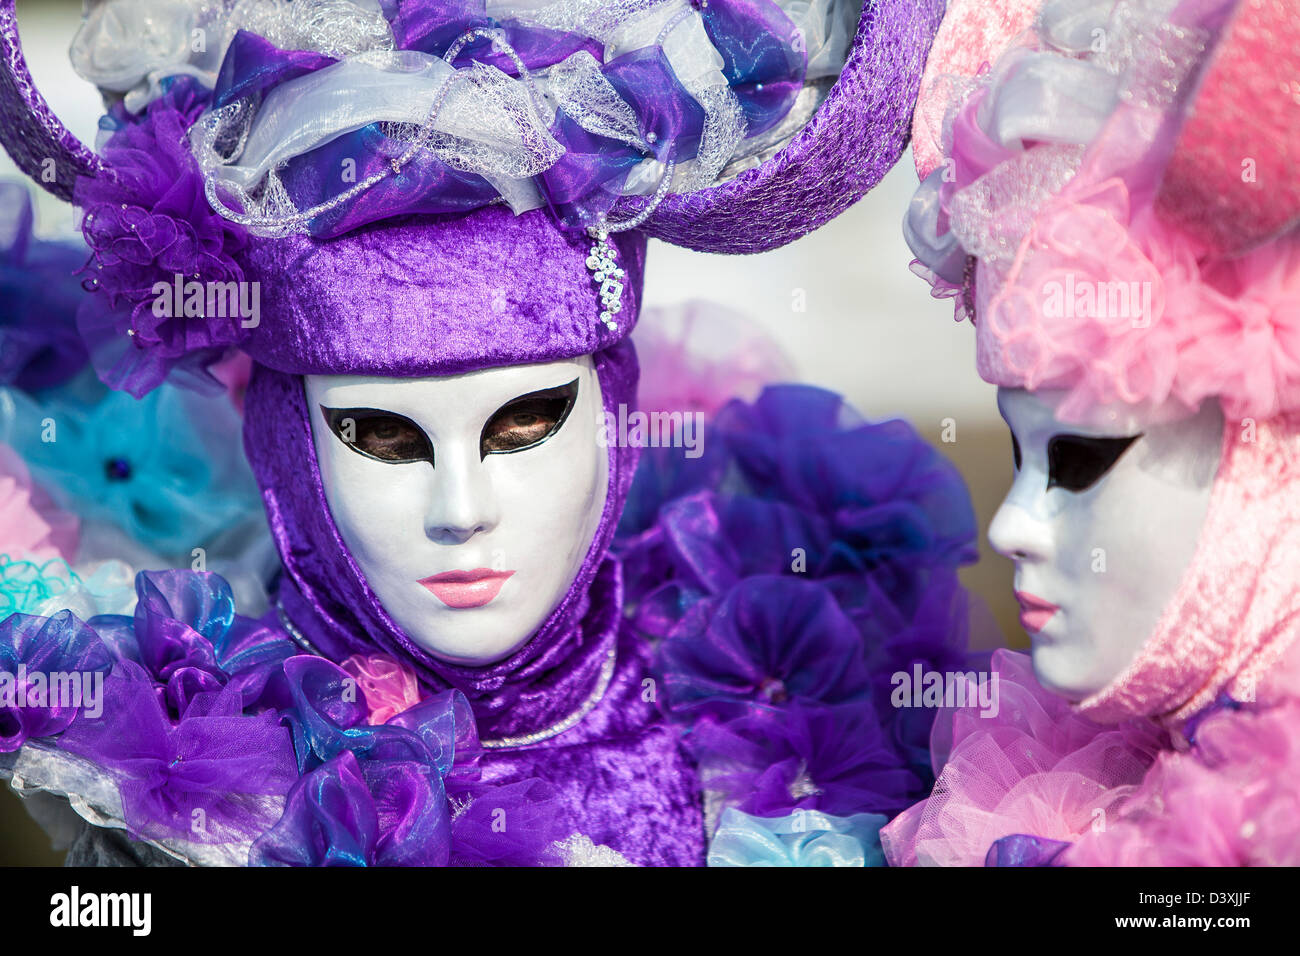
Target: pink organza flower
<point>389,688</point>
<point>1231,800</point>
<point>1033,768</point>
<point>698,356</point>
<point>31,526</point>
<point>1115,306</point>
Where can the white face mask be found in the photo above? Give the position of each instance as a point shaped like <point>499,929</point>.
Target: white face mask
<point>468,501</point>
<point>1100,553</point>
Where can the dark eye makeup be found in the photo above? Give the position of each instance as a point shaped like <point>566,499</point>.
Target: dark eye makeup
<point>1077,462</point>
<point>524,422</point>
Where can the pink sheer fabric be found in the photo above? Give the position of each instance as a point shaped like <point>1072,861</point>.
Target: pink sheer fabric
<point>1107,301</point>
<point>1233,799</point>
<point>387,686</point>
<point>1239,108</point>
<point>32,527</point>
<point>1085,282</point>
<point>699,355</point>
<point>1034,767</point>
<point>1123,795</point>
<point>972,34</point>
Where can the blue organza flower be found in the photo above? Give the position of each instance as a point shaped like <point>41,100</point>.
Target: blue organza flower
<point>768,641</point>
<point>369,795</point>
<point>26,586</point>
<point>39,295</point>
<point>167,469</point>
<point>186,633</point>
<point>803,838</point>
<point>804,756</point>
<point>329,819</point>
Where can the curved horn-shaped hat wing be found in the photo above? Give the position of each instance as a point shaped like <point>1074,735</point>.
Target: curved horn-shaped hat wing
<point>855,138</point>
<point>32,135</point>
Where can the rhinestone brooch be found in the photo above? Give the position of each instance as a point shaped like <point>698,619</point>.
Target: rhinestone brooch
<point>605,272</point>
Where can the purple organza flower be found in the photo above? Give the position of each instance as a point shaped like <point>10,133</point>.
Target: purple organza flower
<point>935,638</point>
<point>769,641</point>
<point>148,221</point>
<point>329,820</point>
<point>39,344</point>
<point>187,634</point>
<point>34,652</point>
<point>794,484</point>
<point>369,795</point>
<point>834,759</point>
<point>886,495</point>
<point>197,778</point>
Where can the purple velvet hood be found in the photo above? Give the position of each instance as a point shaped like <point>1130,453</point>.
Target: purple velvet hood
<point>411,299</point>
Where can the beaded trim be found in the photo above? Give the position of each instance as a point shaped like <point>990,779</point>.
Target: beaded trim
<point>501,743</point>
<point>602,685</point>
<point>298,637</point>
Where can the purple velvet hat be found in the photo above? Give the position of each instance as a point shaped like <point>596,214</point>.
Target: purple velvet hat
<point>732,126</point>
<point>396,299</point>
<point>827,104</point>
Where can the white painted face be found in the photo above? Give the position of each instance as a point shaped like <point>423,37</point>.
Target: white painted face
<point>1102,524</point>
<point>468,501</point>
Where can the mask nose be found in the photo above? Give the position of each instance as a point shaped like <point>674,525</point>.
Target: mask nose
<point>1018,530</point>
<point>463,502</point>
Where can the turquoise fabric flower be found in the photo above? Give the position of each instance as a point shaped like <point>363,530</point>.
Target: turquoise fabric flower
<point>168,469</point>
<point>804,838</point>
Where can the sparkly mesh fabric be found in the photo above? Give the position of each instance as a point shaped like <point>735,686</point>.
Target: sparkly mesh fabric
<point>853,139</point>
<point>973,33</point>
<point>335,27</point>
<point>32,133</point>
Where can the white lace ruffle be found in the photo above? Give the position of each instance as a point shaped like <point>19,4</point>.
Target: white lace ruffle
<point>477,119</point>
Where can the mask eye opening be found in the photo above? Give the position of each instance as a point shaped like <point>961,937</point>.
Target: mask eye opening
<point>557,402</point>
<point>352,427</point>
<point>1078,462</point>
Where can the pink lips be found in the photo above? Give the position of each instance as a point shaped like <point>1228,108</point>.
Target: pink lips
<point>462,589</point>
<point>1034,611</point>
